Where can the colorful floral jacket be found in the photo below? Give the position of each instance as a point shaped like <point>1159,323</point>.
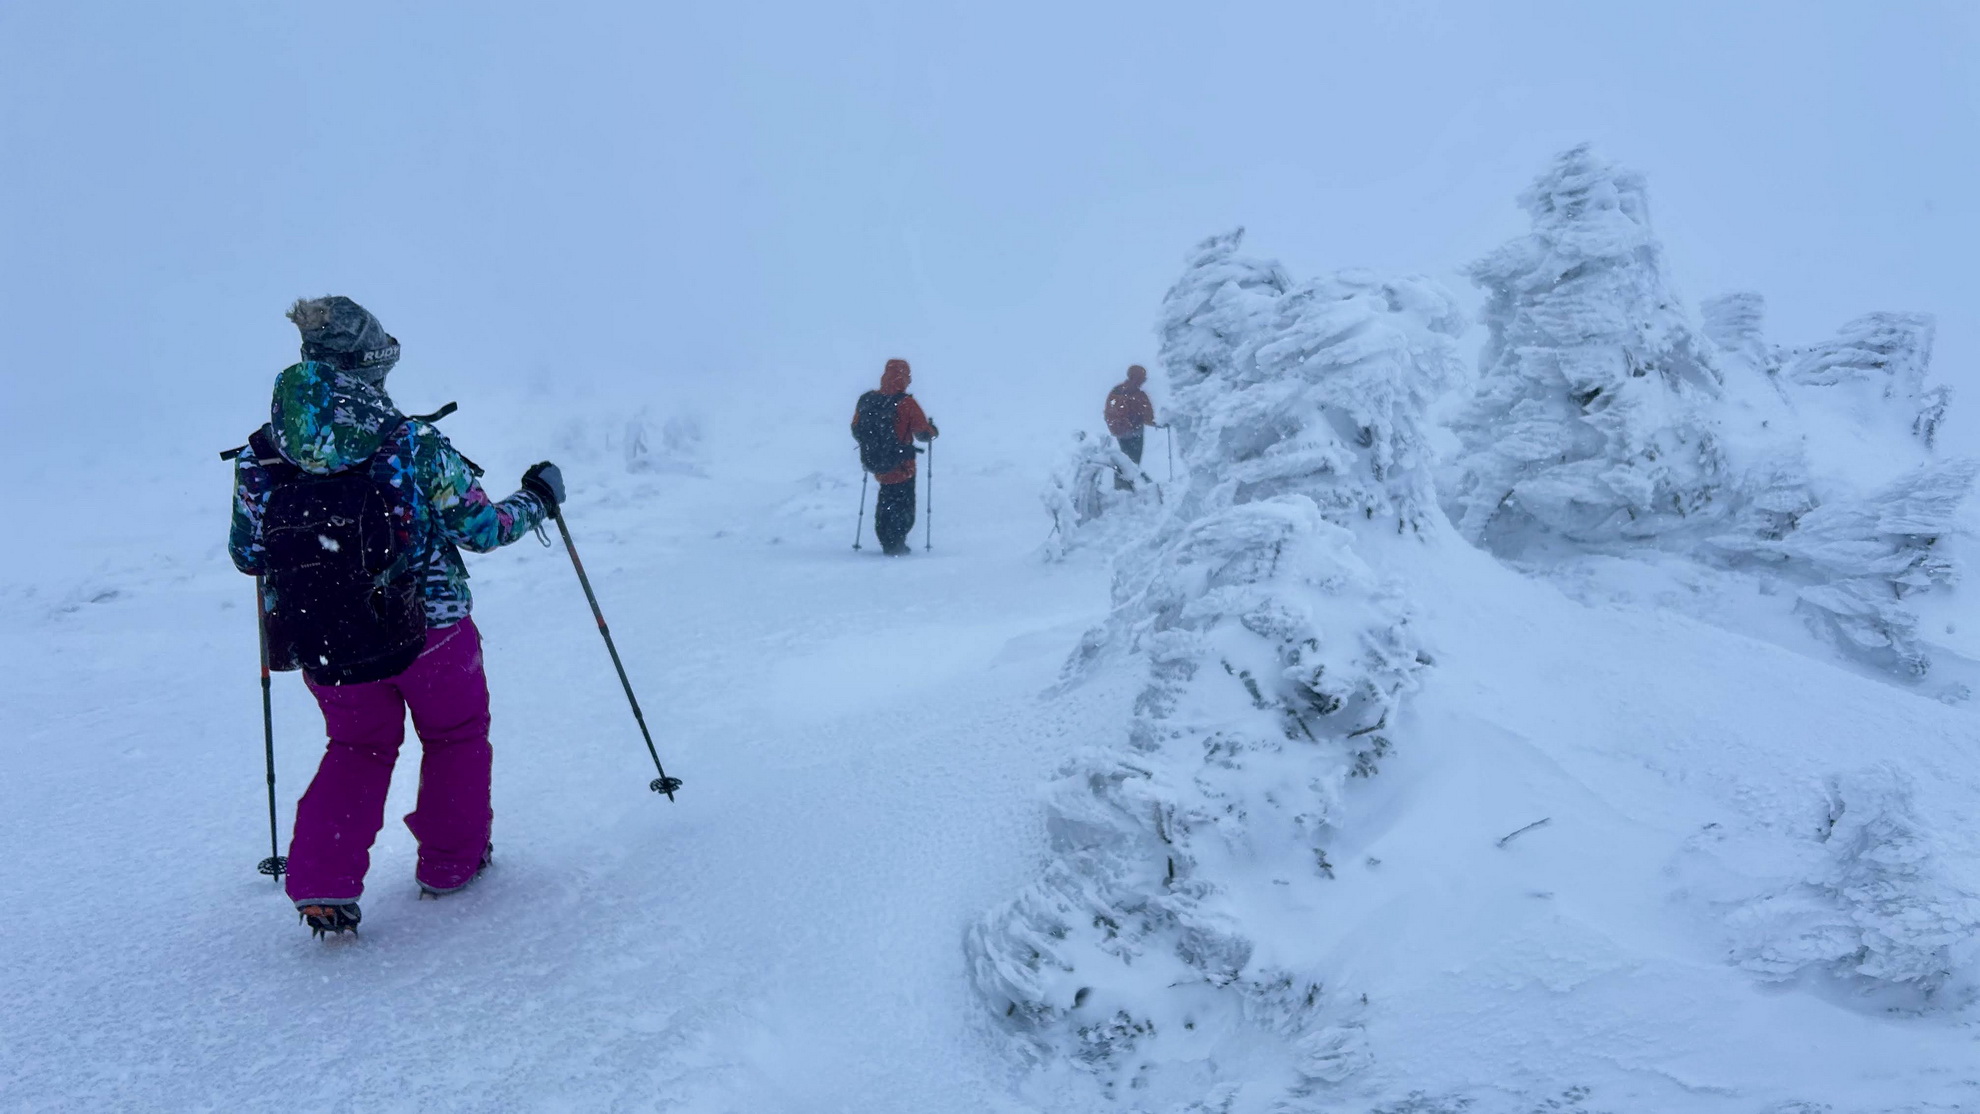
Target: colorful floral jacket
<point>325,421</point>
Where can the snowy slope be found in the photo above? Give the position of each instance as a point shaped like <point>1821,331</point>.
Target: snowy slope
<point>1597,836</point>
<point>1755,861</point>
<point>1681,770</point>
<point>1615,957</point>
<point>862,742</point>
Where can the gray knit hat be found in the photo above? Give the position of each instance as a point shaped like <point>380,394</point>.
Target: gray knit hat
<point>343,334</point>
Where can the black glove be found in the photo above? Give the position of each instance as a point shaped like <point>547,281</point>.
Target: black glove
<point>546,482</point>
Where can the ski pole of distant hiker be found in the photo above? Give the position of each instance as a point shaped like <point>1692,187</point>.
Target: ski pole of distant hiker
<point>275,865</point>
<point>928,531</point>
<point>1169,439</point>
<point>860,526</point>
<point>663,783</point>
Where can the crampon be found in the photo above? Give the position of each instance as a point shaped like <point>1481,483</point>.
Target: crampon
<point>333,920</point>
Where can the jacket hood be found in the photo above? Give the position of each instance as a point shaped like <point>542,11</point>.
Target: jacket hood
<point>894,380</point>
<point>324,420</point>
<point>1137,375</point>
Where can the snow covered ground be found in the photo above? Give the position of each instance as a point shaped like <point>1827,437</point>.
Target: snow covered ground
<point>859,737</point>
<point>863,742</point>
<point>1681,771</point>
<point>1644,843</point>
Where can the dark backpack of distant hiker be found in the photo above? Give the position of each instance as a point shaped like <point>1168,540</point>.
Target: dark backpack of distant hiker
<point>342,588</point>
<point>876,428</point>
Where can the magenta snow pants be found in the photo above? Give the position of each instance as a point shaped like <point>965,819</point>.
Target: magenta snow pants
<point>340,814</point>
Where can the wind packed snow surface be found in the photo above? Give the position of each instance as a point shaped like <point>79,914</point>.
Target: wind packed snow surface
<point>1349,813</point>
<point>860,738</point>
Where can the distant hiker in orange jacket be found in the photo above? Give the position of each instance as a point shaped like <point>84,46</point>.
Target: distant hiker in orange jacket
<point>887,423</point>
<point>1128,412</point>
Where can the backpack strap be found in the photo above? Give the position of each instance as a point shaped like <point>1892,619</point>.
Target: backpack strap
<point>237,450</point>
<point>264,453</point>
<point>475,470</point>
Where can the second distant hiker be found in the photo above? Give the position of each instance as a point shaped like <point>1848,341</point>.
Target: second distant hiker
<point>1128,413</point>
<point>887,423</point>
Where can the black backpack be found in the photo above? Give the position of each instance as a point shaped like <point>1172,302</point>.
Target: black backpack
<point>875,427</point>
<point>341,590</point>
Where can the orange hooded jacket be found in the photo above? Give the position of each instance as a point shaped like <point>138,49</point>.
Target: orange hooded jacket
<point>1128,408</point>
<point>910,424</point>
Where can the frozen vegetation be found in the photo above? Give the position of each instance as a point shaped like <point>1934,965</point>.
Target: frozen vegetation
<point>1875,911</point>
<point>1195,937</point>
<point>1592,422</point>
<point>1278,662</point>
<point>1097,497</point>
<point>1605,423</point>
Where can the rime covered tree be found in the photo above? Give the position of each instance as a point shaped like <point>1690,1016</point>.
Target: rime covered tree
<point>1590,421</point>
<point>1279,659</point>
<point>1602,422</point>
<point>1088,506</point>
<point>1875,911</point>
<point>1736,324</point>
<point>1817,506</point>
<point>1858,561</point>
<point>1756,421</point>
<point>1875,367</point>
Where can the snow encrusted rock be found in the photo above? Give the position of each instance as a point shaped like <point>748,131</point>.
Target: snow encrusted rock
<point>1875,914</point>
<point>1278,661</point>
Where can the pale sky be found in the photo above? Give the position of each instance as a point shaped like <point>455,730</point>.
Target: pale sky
<point>578,192</point>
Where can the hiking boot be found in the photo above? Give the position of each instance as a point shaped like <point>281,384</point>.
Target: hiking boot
<point>487,857</point>
<point>334,918</point>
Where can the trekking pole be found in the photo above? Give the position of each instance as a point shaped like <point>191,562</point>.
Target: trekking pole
<point>275,865</point>
<point>1169,440</point>
<point>860,526</point>
<point>928,534</point>
<point>663,783</point>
